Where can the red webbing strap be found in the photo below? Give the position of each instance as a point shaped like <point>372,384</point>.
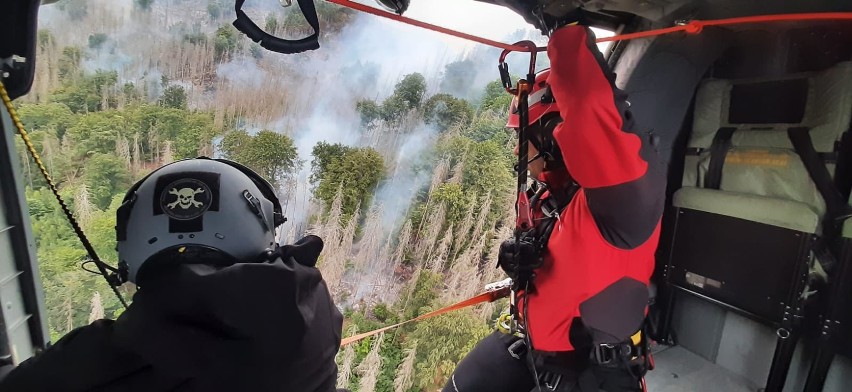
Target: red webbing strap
<point>696,26</point>
<point>428,26</point>
<point>693,27</point>
<point>489,296</point>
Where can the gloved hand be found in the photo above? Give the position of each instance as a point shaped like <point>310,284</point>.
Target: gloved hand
<point>528,257</point>
<point>305,251</point>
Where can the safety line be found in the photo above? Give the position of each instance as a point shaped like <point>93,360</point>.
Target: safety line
<point>692,27</point>
<point>488,296</point>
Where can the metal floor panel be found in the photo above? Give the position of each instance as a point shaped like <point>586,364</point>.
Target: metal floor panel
<point>678,370</point>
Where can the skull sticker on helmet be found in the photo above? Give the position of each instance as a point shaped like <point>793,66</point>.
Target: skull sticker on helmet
<point>185,199</point>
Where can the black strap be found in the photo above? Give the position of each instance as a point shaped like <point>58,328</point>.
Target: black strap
<point>837,209</point>
<point>843,167</point>
<point>694,151</point>
<point>275,44</point>
<point>718,152</point>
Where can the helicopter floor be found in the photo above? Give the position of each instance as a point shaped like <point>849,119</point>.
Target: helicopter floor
<point>679,370</point>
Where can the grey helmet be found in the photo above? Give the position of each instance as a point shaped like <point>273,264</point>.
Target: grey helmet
<point>196,208</point>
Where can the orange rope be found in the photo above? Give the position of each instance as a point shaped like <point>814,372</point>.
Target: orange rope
<point>489,296</point>
<point>696,26</point>
<point>429,26</point>
<point>693,27</point>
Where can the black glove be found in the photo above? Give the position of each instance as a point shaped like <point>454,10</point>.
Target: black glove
<point>528,258</point>
<point>305,251</point>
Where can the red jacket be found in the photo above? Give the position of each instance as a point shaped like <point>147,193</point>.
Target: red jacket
<point>592,287</point>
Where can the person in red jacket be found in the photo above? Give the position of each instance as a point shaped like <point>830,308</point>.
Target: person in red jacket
<point>582,314</point>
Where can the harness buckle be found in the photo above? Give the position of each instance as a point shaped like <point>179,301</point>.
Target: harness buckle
<point>517,349</point>
<point>550,380</point>
<point>605,353</point>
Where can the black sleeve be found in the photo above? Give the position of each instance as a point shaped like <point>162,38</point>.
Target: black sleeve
<point>627,214</point>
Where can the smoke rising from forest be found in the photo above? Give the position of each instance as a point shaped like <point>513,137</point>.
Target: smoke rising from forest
<point>121,89</point>
<point>364,61</point>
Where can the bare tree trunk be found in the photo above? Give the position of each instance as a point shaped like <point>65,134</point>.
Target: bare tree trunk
<point>371,366</point>
<point>83,207</point>
<point>403,379</point>
<point>345,371</point>
<point>97,311</point>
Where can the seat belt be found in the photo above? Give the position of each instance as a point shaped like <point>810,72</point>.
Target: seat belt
<point>718,152</point>
<point>837,209</point>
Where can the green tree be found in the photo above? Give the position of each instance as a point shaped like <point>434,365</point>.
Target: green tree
<point>445,110</point>
<point>144,5</point>
<point>271,154</point>
<point>495,98</point>
<point>411,89</point>
<point>105,176</point>
<point>421,294</point>
<point>76,9</point>
<point>335,17</point>
<point>488,125</point>
<point>225,42</point>
<point>393,109</point>
<point>382,313</point>
<point>131,93</point>
<point>101,227</point>
<point>488,169</point>
<point>256,50</point>
<point>173,97</point>
<point>195,38</point>
<point>457,77</point>
<point>437,358</point>
<point>47,117</point>
<point>45,38</point>
<point>271,25</point>
<point>323,154</point>
<point>407,95</point>
<point>214,9</point>
<point>69,63</point>
<point>96,133</point>
<point>357,173</point>
<point>87,94</point>
<point>68,289</point>
<point>189,130</point>
<point>97,39</point>
<point>455,199</point>
<point>370,112</point>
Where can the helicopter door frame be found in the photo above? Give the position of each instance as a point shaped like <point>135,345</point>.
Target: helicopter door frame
<point>23,327</point>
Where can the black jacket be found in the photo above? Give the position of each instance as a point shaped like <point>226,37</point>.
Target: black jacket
<point>246,327</point>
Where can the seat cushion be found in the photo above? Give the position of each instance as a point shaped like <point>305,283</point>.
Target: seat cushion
<point>788,214</point>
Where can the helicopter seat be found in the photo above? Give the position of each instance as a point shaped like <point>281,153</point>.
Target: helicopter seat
<point>750,209</point>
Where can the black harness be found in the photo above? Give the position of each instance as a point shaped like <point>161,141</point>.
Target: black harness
<point>522,254</point>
